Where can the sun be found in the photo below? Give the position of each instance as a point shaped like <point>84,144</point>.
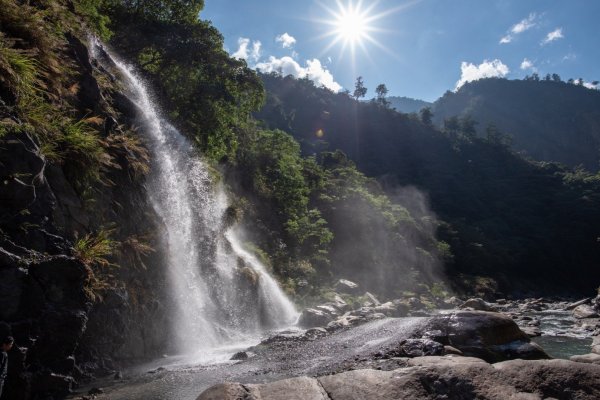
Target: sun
<point>352,24</point>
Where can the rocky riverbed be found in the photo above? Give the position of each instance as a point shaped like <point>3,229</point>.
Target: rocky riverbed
<point>465,344</point>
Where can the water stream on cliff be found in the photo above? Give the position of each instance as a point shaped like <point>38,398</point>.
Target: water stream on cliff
<point>223,296</point>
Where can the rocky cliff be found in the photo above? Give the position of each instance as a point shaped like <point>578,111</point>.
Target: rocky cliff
<point>80,286</point>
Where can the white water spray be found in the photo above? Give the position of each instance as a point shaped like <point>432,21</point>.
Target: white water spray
<point>223,294</point>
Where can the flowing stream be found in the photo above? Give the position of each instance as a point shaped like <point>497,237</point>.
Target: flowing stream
<point>223,296</point>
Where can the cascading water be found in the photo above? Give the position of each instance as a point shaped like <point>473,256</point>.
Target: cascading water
<point>223,294</point>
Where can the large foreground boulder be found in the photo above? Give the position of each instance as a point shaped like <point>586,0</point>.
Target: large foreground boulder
<point>429,378</point>
<point>487,335</point>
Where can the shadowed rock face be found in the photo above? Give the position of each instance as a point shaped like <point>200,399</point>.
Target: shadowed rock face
<point>433,378</point>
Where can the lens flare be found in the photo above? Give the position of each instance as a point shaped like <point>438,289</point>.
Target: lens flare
<point>352,25</point>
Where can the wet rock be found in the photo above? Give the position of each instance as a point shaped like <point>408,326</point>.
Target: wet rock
<point>315,333</point>
<point>394,310</point>
<point>346,286</point>
<point>590,358</point>
<point>329,309</point>
<point>371,300</point>
<point>419,348</point>
<point>339,303</point>
<point>576,304</point>
<point>344,322</point>
<point>531,331</point>
<point>240,355</point>
<point>584,311</point>
<point>490,336</point>
<point>312,317</point>
<point>477,304</point>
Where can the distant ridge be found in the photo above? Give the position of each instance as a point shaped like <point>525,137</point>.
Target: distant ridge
<point>407,104</point>
<point>549,120</point>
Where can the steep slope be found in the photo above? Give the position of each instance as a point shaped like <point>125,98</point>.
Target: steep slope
<point>548,120</point>
<point>407,104</point>
<point>528,226</point>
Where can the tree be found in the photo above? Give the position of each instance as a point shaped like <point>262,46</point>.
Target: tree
<point>382,91</point>
<point>467,127</point>
<point>452,126</point>
<point>426,116</point>
<point>556,78</point>
<point>360,90</point>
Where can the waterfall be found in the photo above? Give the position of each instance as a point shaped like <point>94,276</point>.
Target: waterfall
<point>222,294</point>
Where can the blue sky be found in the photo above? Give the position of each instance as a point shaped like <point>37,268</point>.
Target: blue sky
<point>423,47</point>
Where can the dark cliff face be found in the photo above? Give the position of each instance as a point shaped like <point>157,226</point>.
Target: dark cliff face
<point>71,315</point>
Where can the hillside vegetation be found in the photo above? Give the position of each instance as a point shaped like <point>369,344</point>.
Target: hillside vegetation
<point>548,120</point>
<point>527,225</point>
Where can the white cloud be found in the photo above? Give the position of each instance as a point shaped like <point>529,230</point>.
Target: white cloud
<point>245,52</point>
<point>527,64</point>
<point>314,71</point>
<point>524,25</point>
<point>487,69</point>
<point>520,27</point>
<point>589,85</point>
<point>286,40</point>
<point>552,36</point>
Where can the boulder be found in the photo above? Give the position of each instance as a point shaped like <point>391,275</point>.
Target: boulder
<point>328,309</point>
<point>392,310</point>
<point>347,287</point>
<point>590,358</point>
<point>315,333</point>
<point>477,304</point>
<point>371,300</point>
<point>240,355</point>
<point>596,303</point>
<point>311,317</point>
<point>228,391</point>
<point>584,311</point>
<point>596,345</point>
<point>428,378</point>
<point>576,304</point>
<point>419,348</point>
<point>532,331</point>
<point>339,303</point>
<point>344,321</point>
<point>490,336</point>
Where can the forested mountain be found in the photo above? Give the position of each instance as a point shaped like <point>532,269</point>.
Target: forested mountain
<point>528,225</point>
<point>548,119</point>
<point>407,104</point>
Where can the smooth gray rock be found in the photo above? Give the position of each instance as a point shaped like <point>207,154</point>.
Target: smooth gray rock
<point>477,304</point>
<point>311,318</point>
<point>434,378</point>
<point>585,311</point>
<point>346,286</point>
<point>576,304</point>
<point>590,358</point>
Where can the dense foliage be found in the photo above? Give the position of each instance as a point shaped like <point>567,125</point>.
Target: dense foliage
<point>530,226</point>
<point>548,119</point>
